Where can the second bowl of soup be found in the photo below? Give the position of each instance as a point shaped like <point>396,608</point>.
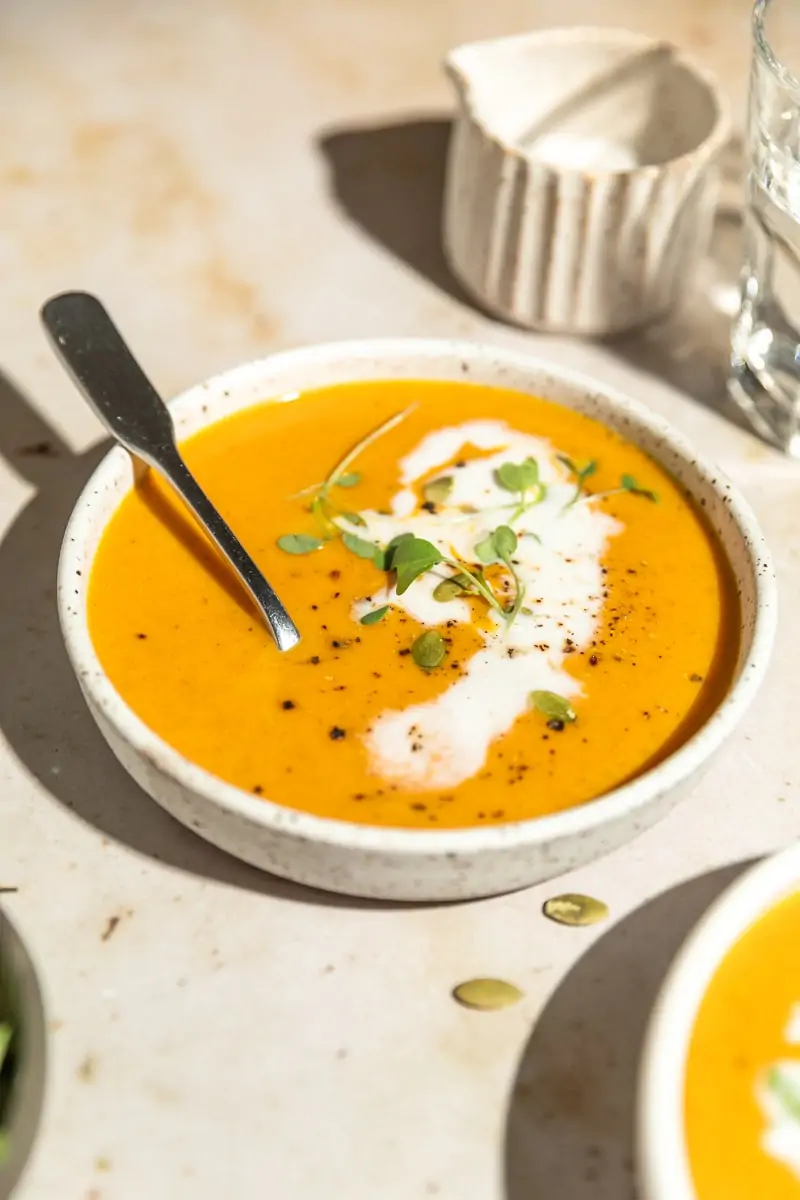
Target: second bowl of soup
<point>528,612</point>
<point>720,1095</point>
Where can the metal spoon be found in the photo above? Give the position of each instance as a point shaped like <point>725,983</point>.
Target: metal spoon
<point>91,347</point>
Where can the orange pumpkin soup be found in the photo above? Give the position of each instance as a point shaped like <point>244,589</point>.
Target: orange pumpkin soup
<point>742,1096</point>
<point>506,608</point>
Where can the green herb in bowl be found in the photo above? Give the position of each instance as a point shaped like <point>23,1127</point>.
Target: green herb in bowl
<point>22,1056</point>
<point>6,1075</point>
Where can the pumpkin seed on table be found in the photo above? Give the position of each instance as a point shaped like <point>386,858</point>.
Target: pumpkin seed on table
<point>575,909</point>
<point>487,995</point>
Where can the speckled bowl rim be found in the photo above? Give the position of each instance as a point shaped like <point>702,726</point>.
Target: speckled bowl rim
<point>402,841</point>
<point>664,1169</point>
<point>704,150</point>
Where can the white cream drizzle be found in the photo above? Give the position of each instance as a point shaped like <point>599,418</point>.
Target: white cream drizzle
<point>563,577</point>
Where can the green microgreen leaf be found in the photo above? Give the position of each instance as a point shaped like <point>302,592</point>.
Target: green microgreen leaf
<point>353,518</point>
<point>360,546</point>
<point>554,707</point>
<point>6,1033</point>
<point>505,542</point>
<point>412,557</point>
<point>497,546</point>
<point>348,480</point>
<point>628,484</point>
<point>518,477</point>
<point>437,490</point>
<point>786,1091</point>
<point>398,540</point>
<point>581,473</point>
<point>385,557</point>
<point>6,1038</point>
<point>429,650</point>
<point>485,550</point>
<point>299,543</point>
<point>377,614</point>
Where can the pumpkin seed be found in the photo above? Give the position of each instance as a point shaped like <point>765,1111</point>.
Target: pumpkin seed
<point>487,995</point>
<point>575,909</point>
<point>554,707</point>
<point>437,490</point>
<point>448,589</point>
<point>429,650</point>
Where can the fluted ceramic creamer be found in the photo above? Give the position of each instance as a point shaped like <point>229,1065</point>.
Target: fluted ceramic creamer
<point>581,179</point>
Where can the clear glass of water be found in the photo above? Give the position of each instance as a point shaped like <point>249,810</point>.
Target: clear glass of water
<point>765,350</point>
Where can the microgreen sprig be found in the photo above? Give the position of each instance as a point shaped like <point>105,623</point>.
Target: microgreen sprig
<point>498,547</point>
<point>409,557</point>
<point>523,479</point>
<point>581,475</point>
<point>785,1091</point>
<point>341,476</point>
<point>627,483</point>
<point>323,507</point>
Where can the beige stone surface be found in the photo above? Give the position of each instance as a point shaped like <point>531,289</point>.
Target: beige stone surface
<point>234,177</point>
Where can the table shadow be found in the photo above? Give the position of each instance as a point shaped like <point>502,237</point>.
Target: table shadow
<point>690,348</point>
<point>43,715</point>
<point>570,1126</point>
<point>389,180</point>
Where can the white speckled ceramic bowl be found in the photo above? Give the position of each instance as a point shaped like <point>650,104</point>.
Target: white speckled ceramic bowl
<point>664,1171</point>
<point>403,864</point>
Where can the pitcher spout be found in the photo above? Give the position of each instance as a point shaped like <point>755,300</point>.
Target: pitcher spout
<point>458,74</point>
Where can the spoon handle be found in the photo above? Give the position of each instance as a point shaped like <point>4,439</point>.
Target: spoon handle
<point>125,400</point>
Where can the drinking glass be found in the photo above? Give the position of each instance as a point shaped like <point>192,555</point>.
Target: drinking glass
<point>765,349</point>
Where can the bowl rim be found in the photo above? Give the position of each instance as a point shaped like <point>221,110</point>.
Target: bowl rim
<point>664,1168</point>
<point>340,834</point>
